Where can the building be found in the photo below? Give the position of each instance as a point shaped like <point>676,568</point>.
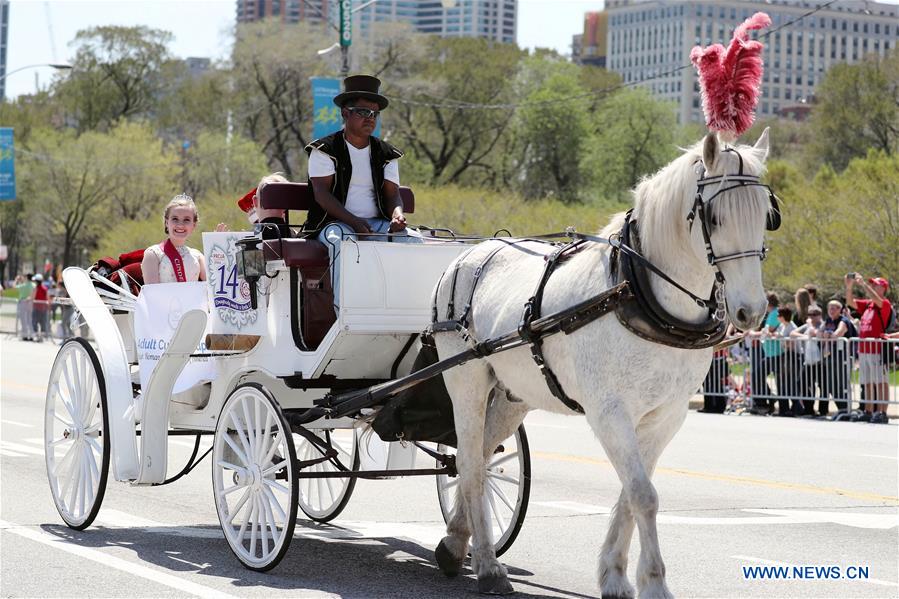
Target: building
<point>490,19</point>
<point>289,11</point>
<point>590,47</point>
<point>4,30</point>
<point>648,40</point>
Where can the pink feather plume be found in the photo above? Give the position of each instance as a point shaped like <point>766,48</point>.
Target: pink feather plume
<point>730,78</point>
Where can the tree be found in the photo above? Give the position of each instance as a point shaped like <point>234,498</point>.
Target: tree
<point>558,132</point>
<point>439,109</point>
<point>634,137</point>
<point>119,72</point>
<point>65,182</point>
<point>272,66</point>
<point>142,172</point>
<point>219,165</point>
<point>857,109</point>
<point>836,223</point>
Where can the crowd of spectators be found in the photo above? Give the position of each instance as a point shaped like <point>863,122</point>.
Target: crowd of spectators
<point>36,304</point>
<point>798,356</point>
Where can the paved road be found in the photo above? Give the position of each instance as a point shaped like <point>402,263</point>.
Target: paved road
<point>735,491</point>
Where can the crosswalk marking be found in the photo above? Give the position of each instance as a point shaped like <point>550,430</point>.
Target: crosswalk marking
<point>11,454</point>
<point>182,585</point>
<point>881,521</point>
<point>14,423</point>
<point>20,448</point>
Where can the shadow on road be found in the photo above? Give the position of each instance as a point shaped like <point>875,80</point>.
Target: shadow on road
<point>345,566</point>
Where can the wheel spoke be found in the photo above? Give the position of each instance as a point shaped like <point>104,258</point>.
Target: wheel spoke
<point>246,517</point>
<point>272,469</point>
<point>240,454</point>
<point>61,441</point>
<point>65,423</point>
<point>504,459</point>
<point>451,482</point>
<point>225,492</point>
<point>94,444</point>
<point>240,434</point>
<point>249,428</point>
<point>503,477</point>
<point>271,450</point>
<point>329,486</point>
<point>92,466</point>
<point>254,517</point>
<point>274,503</point>
<point>264,439</point>
<point>499,492</point>
<point>496,515</point>
<point>78,389</point>
<point>257,430</point>
<point>238,505</point>
<point>277,486</point>
<point>230,466</point>
<point>65,464</point>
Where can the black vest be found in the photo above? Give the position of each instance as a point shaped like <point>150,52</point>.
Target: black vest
<point>334,146</point>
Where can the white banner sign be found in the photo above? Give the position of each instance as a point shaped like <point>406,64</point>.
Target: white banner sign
<point>156,317</point>
<point>230,309</point>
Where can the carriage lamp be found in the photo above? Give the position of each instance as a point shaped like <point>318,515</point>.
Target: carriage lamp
<point>250,264</point>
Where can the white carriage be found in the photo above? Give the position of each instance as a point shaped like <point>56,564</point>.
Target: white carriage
<point>275,448</point>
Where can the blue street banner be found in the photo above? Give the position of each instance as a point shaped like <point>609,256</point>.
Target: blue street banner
<point>325,114</point>
<point>7,165</point>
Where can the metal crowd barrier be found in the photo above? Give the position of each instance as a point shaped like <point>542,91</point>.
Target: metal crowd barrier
<point>805,377</point>
<point>45,319</point>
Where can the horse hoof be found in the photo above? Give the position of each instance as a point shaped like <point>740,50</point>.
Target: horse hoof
<point>448,563</point>
<point>495,585</point>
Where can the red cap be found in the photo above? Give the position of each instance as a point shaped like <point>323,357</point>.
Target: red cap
<point>246,203</point>
<point>879,281</point>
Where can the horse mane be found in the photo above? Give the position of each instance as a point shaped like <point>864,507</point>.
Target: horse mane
<point>663,200</point>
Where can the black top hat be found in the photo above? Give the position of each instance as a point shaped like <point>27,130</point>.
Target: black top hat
<point>361,86</point>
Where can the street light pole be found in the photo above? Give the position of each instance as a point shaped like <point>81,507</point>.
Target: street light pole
<point>57,66</point>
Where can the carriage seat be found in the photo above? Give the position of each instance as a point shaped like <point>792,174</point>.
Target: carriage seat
<point>308,255</point>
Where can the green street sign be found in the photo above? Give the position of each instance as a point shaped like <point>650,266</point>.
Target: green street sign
<point>346,22</point>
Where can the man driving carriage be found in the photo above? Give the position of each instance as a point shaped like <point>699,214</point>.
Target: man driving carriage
<point>355,176</point>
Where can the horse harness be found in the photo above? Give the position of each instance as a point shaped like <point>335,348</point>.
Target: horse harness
<point>631,298</point>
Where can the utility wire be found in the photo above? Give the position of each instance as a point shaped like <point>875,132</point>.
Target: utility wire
<point>448,103</point>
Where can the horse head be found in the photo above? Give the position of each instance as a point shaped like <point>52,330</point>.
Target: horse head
<point>731,211</point>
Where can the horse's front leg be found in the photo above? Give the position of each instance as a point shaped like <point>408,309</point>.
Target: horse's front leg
<point>619,439</point>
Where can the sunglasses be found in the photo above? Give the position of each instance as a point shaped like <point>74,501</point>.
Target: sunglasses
<point>365,113</point>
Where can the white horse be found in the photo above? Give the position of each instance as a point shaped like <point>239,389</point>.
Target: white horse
<point>634,392</point>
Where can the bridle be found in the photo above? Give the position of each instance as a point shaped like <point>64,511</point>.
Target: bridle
<point>702,209</point>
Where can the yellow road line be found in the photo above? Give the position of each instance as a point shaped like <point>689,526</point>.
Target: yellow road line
<point>24,386</point>
<point>743,480</point>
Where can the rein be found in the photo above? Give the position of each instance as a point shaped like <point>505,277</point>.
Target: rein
<point>533,327</point>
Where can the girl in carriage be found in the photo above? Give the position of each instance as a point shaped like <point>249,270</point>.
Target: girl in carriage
<point>172,261</point>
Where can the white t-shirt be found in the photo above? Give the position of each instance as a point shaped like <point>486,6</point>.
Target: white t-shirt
<point>360,198</point>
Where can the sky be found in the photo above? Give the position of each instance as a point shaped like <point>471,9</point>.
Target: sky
<point>201,27</point>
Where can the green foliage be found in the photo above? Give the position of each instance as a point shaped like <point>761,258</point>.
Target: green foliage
<point>837,223</point>
<point>142,170</point>
<point>430,118</point>
<point>217,165</point>
<point>557,133</point>
<point>634,138</point>
<point>117,73</point>
<point>273,63</point>
<point>858,109</point>
<point>483,212</point>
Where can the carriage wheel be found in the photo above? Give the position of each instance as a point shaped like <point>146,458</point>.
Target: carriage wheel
<point>253,477</point>
<point>322,499</point>
<point>75,425</point>
<point>508,486</point>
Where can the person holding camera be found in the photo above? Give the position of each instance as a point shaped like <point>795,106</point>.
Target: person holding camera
<point>875,314</point>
